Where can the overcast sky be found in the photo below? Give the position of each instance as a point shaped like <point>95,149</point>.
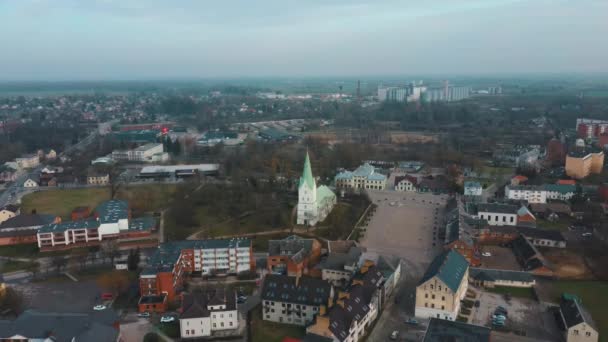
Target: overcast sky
<point>132,39</point>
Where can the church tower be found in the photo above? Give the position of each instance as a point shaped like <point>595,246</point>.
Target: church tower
<point>307,196</point>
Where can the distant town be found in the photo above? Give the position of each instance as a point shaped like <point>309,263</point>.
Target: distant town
<point>334,211</point>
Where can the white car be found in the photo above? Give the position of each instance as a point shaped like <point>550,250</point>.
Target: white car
<point>486,254</point>
<point>167,319</point>
<point>99,307</point>
<point>394,335</point>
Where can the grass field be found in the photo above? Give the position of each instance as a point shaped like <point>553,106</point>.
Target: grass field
<point>25,251</point>
<point>264,331</point>
<point>593,295</point>
<point>520,292</point>
<point>561,225</point>
<point>61,202</point>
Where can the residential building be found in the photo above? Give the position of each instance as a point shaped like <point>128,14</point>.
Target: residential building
<point>213,138</point>
<point>50,155</point>
<point>355,309</point>
<point>577,321</point>
<point>459,236</point>
<point>293,256</point>
<point>28,161</point>
<point>8,211</point>
<point>484,277</point>
<point>294,300</point>
<point>442,287</point>
<point>519,180</point>
<point>385,276</point>
<point>364,177</point>
<point>22,228</point>
<point>314,202</point>
<point>472,188</point>
<point>581,163</point>
<point>7,173</point>
<point>590,128</point>
<point>32,325</point>
<point>406,183</point>
<point>561,192</point>
<point>32,182</point>
<point>203,313</point>
<point>338,267</point>
<point>162,279</point>
<point>434,184</point>
<point>441,330</point>
<point>542,237</point>
<point>498,214</point>
<point>97,178</point>
<point>530,193</point>
<point>529,257</point>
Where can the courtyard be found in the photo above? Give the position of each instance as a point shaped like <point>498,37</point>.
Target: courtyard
<point>405,225</point>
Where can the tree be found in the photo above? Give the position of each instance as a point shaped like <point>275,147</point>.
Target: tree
<point>59,262</point>
<point>116,282</point>
<point>133,259</point>
<point>109,249</point>
<point>151,337</point>
<point>78,256</point>
<point>11,300</point>
<point>34,268</point>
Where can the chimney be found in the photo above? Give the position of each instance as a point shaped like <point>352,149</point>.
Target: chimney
<point>297,279</point>
<point>322,310</point>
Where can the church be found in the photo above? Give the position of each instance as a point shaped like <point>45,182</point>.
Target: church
<point>314,203</point>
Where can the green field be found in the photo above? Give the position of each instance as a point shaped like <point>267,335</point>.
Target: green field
<point>14,265</point>
<point>561,225</point>
<point>520,292</point>
<point>593,295</point>
<point>61,202</point>
<point>264,331</point>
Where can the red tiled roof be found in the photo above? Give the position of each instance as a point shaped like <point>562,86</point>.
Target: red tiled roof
<point>566,182</point>
<point>520,178</point>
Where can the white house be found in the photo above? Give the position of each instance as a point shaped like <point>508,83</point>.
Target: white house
<point>530,193</point>
<point>497,214</point>
<point>30,183</point>
<point>208,312</point>
<point>579,325</point>
<point>472,188</point>
<point>406,183</point>
<point>28,161</point>
<point>314,203</point>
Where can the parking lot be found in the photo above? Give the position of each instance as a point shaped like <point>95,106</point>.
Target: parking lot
<point>524,315</point>
<point>61,296</point>
<point>405,225</point>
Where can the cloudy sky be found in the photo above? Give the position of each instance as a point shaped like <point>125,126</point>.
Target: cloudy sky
<point>143,39</point>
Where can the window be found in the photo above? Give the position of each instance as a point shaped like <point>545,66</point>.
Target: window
<point>443,307</point>
<point>575,332</point>
<point>439,287</point>
<point>587,334</point>
<point>426,305</point>
<point>432,305</point>
<point>230,315</point>
<point>222,324</point>
<point>426,295</point>
<point>442,297</point>
<point>433,296</point>
<point>214,325</point>
<point>230,323</point>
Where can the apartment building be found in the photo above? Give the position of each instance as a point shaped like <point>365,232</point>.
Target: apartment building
<point>162,279</point>
<point>28,161</point>
<point>146,153</point>
<point>293,255</point>
<point>581,163</point>
<point>530,193</point>
<point>95,178</point>
<point>442,287</point>
<point>589,128</point>
<point>339,267</point>
<point>294,300</point>
<point>203,313</point>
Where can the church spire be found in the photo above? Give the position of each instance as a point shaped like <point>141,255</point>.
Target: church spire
<point>307,174</point>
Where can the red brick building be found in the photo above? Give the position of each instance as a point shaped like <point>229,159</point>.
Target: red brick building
<point>293,256</point>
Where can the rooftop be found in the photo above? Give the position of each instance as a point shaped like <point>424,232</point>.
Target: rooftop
<point>309,291</point>
<point>449,267</point>
<point>573,312</point>
<point>113,210</point>
<point>493,275</point>
<point>441,330</point>
<point>497,208</point>
<point>69,225</point>
<point>27,220</point>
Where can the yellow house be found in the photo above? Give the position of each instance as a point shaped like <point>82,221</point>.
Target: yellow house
<point>442,287</point>
<point>579,325</point>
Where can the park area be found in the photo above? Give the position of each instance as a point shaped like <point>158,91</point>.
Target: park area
<point>61,202</point>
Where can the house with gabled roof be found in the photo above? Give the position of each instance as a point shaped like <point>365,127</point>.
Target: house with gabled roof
<point>203,313</point>
<point>579,326</point>
<point>406,183</point>
<point>293,255</point>
<point>442,287</point>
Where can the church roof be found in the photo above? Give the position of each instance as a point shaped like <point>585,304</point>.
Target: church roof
<point>324,192</point>
<point>307,174</point>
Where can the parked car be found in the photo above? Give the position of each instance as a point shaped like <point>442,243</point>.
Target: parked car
<point>241,299</point>
<point>411,321</point>
<point>99,307</point>
<point>394,335</point>
<point>586,235</point>
<point>143,314</point>
<point>486,254</point>
<point>107,296</point>
<point>167,319</point>
<point>477,303</point>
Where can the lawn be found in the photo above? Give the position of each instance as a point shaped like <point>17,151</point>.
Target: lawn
<point>561,225</point>
<point>13,265</point>
<point>520,292</point>
<point>260,242</point>
<point>61,202</point>
<point>22,251</point>
<point>265,331</point>
<point>593,295</point>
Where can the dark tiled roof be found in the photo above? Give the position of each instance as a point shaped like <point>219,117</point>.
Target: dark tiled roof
<point>535,233</point>
<point>293,246</point>
<point>197,304</point>
<point>493,275</point>
<point>316,338</point>
<point>412,179</point>
<point>441,330</point>
<point>523,249</point>
<point>497,208</point>
<point>27,220</point>
<point>337,261</point>
<point>310,291</point>
<point>450,267</point>
<point>355,308</point>
<point>11,208</point>
<point>574,313</point>
<point>63,327</point>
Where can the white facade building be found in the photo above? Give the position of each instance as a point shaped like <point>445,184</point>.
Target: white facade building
<point>472,189</point>
<point>532,194</point>
<point>314,203</point>
<point>498,214</point>
<point>364,177</point>
<point>30,183</point>
<point>28,161</point>
<point>406,183</point>
<point>146,153</point>
<point>208,312</point>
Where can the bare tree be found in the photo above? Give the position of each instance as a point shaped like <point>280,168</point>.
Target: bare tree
<point>110,250</point>
<point>59,262</point>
